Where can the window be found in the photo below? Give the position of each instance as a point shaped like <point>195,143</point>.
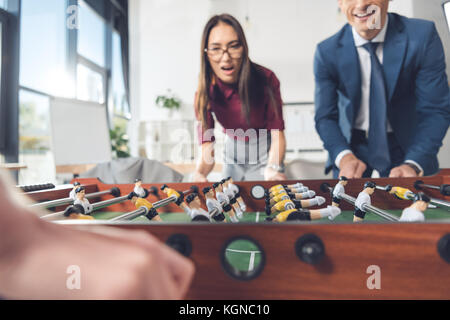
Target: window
<point>118,100</point>
<point>3,4</point>
<point>91,35</point>
<point>43,47</point>
<point>2,89</point>
<point>35,138</point>
<point>447,12</point>
<point>90,85</point>
<point>1,60</point>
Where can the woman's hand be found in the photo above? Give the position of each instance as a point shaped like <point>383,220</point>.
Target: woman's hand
<point>271,174</point>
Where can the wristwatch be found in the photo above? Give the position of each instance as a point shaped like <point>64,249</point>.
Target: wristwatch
<point>276,167</point>
<point>415,168</point>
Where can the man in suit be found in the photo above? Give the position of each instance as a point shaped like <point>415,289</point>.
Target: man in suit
<point>382,95</point>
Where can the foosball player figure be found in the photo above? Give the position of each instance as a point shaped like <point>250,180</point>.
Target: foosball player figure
<point>329,212</point>
<point>76,212</point>
<point>171,192</point>
<point>224,201</point>
<point>338,189</point>
<point>400,193</point>
<point>139,202</point>
<point>293,196</point>
<point>196,212</point>
<point>81,208</point>
<point>363,199</point>
<point>415,212</point>
<point>138,190</point>
<point>212,204</point>
<point>297,185</point>
<point>82,200</point>
<point>277,191</point>
<point>72,194</point>
<point>237,193</point>
<point>232,199</point>
<point>293,204</point>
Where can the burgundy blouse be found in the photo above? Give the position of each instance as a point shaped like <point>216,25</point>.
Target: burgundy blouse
<point>225,103</point>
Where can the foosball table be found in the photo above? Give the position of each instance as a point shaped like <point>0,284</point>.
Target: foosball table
<point>259,258</point>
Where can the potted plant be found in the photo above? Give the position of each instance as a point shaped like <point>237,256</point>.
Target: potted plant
<point>168,101</point>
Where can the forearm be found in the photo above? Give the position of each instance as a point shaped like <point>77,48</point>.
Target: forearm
<point>277,150</point>
<point>206,161</point>
<point>18,229</point>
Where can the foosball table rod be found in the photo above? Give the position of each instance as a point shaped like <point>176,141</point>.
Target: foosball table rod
<point>325,187</point>
<point>406,194</point>
<point>60,202</point>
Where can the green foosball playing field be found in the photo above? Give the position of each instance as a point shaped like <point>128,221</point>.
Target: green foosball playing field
<point>243,255</point>
<point>252,217</point>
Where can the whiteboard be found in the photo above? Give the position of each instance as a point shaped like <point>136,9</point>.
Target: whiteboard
<point>80,133</point>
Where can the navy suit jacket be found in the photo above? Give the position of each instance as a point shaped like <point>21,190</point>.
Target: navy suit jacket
<point>418,92</point>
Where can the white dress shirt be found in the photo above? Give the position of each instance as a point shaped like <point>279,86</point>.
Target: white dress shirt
<point>362,119</point>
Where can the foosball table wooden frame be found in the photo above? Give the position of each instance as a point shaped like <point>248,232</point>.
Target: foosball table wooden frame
<point>411,260</point>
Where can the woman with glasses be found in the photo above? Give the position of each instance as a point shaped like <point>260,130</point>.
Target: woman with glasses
<point>245,99</point>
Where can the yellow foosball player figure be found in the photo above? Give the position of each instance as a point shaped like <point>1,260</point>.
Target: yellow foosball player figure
<point>139,190</point>
<point>282,189</point>
<point>289,195</point>
<point>139,202</point>
<point>338,189</point>
<point>362,200</point>
<point>297,185</point>
<point>294,204</point>
<point>415,212</point>
<point>400,193</point>
<point>171,192</point>
<point>329,212</point>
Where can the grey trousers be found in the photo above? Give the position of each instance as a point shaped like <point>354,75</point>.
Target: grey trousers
<point>246,160</point>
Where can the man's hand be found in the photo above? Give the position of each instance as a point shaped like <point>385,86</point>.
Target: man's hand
<point>403,171</point>
<point>113,263</point>
<point>351,167</point>
<point>273,175</point>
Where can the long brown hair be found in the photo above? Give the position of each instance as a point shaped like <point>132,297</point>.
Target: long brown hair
<point>251,77</point>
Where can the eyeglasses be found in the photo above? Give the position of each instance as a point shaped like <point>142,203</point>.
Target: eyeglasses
<point>216,53</point>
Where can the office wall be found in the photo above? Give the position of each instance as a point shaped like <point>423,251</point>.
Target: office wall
<point>432,10</point>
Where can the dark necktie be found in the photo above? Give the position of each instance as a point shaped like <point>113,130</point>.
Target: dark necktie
<point>379,158</point>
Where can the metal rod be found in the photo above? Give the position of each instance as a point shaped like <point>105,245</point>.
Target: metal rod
<point>131,215</point>
<point>379,212</point>
<point>106,203</point>
<point>95,206</point>
<point>440,203</point>
<point>64,201</point>
<point>411,195</point>
<point>137,213</point>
